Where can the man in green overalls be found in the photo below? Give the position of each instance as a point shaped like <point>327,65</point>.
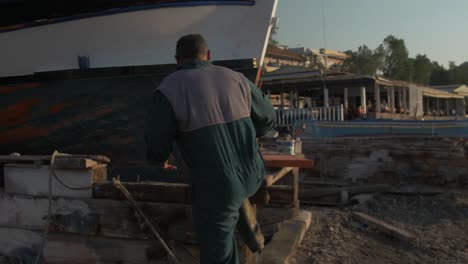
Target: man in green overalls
<point>214,115</point>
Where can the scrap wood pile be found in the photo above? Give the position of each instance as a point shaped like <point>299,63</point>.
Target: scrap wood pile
<point>94,221</point>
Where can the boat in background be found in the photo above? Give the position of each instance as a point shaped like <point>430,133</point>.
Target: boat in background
<point>117,34</point>
<point>48,103</point>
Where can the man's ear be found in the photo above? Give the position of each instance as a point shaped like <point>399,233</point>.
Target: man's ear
<point>208,55</point>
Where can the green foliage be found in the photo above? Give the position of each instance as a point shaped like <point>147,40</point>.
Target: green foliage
<point>439,75</point>
<point>422,69</point>
<point>396,63</point>
<point>392,59</point>
<point>364,60</point>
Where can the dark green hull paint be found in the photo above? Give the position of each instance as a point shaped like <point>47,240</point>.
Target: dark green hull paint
<point>87,112</point>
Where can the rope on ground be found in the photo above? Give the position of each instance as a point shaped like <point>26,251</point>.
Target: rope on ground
<point>155,233</point>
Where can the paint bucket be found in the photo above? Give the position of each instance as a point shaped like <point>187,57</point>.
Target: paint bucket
<point>83,62</point>
<point>286,146</point>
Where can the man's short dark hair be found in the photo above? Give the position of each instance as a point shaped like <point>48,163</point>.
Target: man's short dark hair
<point>191,46</point>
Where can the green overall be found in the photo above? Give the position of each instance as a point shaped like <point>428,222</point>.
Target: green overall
<point>214,115</point>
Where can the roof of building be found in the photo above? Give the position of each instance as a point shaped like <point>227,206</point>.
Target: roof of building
<point>297,73</point>
<point>460,89</point>
<point>332,53</point>
<point>306,79</point>
<point>273,51</point>
<point>431,92</point>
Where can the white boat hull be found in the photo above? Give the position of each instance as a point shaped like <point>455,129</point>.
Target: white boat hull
<point>145,37</point>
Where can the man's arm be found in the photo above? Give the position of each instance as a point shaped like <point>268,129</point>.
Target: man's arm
<point>161,127</point>
<point>262,113</point>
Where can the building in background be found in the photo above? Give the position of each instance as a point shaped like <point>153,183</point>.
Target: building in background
<point>277,57</point>
<point>321,58</point>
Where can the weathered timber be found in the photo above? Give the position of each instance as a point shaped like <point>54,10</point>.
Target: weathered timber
<point>310,193</point>
<point>383,227</point>
<point>74,163</point>
<point>281,161</point>
<point>47,158</point>
<point>270,179</point>
<point>163,192</point>
<point>392,160</point>
<point>72,249</point>
<point>416,190</point>
<point>286,241</point>
<point>33,180</point>
<point>96,217</point>
<point>322,183</point>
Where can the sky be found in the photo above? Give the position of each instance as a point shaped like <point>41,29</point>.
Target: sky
<point>437,28</point>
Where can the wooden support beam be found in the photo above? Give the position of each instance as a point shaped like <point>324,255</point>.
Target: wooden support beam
<point>160,192</point>
<point>74,163</point>
<point>270,179</point>
<point>281,161</point>
<point>93,217</point>
<point>47,158</point>
<point>383,227</point>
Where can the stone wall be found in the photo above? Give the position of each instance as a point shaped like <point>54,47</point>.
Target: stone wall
<point>394,160</point>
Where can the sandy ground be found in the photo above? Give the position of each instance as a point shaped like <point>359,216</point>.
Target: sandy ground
<point>440,224</point>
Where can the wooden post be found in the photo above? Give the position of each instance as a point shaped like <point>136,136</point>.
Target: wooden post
<point>392,99</point>
<point>405,100</point>
<point>400,97</point>
<point>428,110</point>
<point>438,105</point>
<point>377,98</point>
<point>363,99</point>
<point>447,106</point>
<point>389,96</point>
<point>295,186</point>
<point>291,99</point>
<point>345,98</point>
<point>282,100</point>
<point>325,97</point>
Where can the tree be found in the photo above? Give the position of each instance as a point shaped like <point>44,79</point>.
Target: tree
<point>396,63</point>
<point>273,33</point>
<point>364,60</point>
<point>458,74</point>
<point>439,75</point>
<point>422,69</point>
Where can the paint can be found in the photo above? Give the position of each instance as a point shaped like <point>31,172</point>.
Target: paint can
<point>285,146</point>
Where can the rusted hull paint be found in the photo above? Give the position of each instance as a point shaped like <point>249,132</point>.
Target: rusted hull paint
<point>96,115</point>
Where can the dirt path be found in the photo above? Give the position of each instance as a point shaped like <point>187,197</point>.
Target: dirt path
<point>440,224</point>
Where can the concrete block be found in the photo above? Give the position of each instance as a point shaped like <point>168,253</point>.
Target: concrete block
<point>33,180</point>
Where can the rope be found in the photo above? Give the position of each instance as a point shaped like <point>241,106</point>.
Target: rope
<point>49,210</point>
<point>119,186</point>
<point>155,233</point>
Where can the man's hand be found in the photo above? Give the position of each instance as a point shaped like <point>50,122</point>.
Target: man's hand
<point>169,167</point>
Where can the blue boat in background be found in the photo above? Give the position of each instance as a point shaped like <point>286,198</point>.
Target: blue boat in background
<point>357,128</point>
